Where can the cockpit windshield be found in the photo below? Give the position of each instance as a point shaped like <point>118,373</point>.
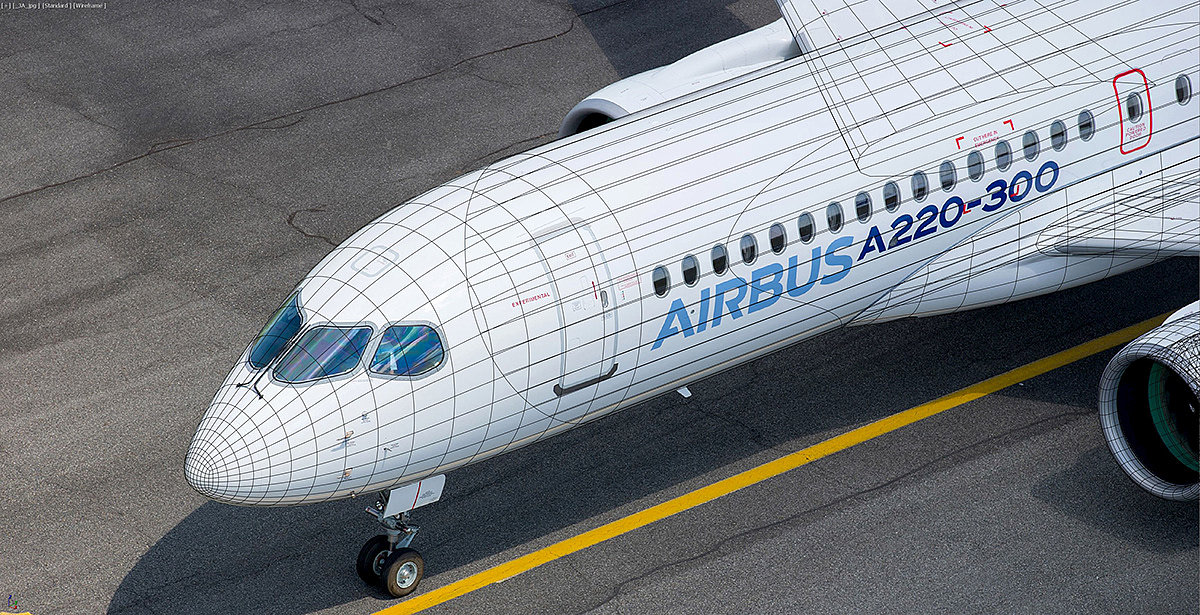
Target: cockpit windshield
<point>323,352</point>
<point>281,328</point>
<point>408,350</point>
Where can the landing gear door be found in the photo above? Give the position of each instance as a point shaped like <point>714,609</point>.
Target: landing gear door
<point>1134,108</point>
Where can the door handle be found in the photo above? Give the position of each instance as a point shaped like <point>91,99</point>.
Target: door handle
<point>559,391</point>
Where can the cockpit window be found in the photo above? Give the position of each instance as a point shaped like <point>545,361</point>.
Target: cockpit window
<point>281,328</point>
<point>323,352</point>
<point>408,350</point>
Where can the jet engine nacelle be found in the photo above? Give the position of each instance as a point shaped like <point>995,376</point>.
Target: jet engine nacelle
<point>1149,408</point>
<point>712,65</point>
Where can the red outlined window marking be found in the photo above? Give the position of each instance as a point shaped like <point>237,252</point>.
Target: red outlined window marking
<point>958,142</point>
<point>1133,132</point>
<point>1010,124</point>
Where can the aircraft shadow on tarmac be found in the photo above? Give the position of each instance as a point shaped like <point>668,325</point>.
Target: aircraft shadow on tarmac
<point>1097,492</point>
<point>295,560</point>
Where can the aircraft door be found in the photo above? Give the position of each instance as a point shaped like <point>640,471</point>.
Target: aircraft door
<point>552,280</point>
<point>1134,108</point>
<point>575,263</point>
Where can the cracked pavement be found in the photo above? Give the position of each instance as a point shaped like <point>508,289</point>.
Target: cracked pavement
<point>172,170</point>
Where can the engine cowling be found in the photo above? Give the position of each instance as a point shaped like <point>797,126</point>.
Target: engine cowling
<point>1149,409</point>
<point>726,60</point>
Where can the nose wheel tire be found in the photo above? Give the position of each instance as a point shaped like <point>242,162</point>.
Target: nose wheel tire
<point>371,559</point>
<point>402,571</point>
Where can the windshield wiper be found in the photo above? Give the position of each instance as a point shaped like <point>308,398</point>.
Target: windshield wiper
<point>253,383</point>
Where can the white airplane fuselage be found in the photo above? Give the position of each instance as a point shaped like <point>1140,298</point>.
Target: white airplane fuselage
<point>538,272</point>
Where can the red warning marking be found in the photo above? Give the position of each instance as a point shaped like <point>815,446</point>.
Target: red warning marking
<point>984,138</point>
<point>955,25</point>
<point>987,29</point>
<point>958,142</point>
<point>594,290</point>
<point>519,302</point>
<point>1010,124</point>
<point>1132,133</point>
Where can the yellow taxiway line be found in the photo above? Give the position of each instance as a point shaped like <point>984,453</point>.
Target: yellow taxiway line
<point>755,475</point>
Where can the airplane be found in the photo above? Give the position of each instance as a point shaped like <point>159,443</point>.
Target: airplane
<point>851,163</point>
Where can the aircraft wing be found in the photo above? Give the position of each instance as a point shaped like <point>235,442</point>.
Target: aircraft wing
<point>1132,242</point>
<point>908,46</point>
<point>818,23</point>
<point>1162,221</point>
<point>885,67</point>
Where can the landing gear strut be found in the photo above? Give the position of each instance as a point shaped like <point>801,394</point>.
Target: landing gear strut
<point>386,560</point>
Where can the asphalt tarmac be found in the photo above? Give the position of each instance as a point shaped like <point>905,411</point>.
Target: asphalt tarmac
<point>170,172</point>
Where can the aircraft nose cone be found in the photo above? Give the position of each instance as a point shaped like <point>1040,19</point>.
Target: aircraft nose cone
<point>205,467</point>
<point>227,458</point>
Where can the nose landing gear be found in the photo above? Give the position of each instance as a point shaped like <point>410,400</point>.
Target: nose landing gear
<point>386,560</point>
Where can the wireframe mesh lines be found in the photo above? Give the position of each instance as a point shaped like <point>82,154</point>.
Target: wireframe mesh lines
<point>535,273</point>
<point>1138,448</point>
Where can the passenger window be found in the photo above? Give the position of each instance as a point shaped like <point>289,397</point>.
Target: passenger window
<point>281,328</point>
<point>920,186</point>
<point>1087,125</point>
<point>948,175</point>
<point>833,215</point>
<point>1133,107</point>
<point>975,165</point>
<point>862,206</point>
<point>1003,156</point>
<point>749,249</point>
<point>1183,89</point>
<point>720,258</point>
<point>1058,135</point>
<point>807,227</point>
<point>778,238</point>
<point>323,352</point>
<point>661,280</point>
<point>1029,144</point>
<point>691,270</point>
<point>891,196</point>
